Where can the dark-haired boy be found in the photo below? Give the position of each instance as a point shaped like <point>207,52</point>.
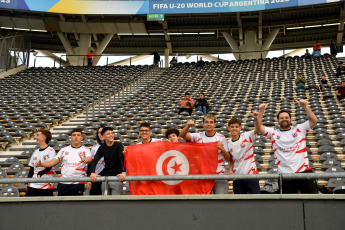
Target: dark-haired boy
<point>172,135</point>
<point>289,147</point>
<point>114,163</point>
<point>43,154</point>
<point>74,158</point>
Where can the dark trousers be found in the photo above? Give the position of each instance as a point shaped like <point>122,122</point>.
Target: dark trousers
<point>190,110</point>
<point>305,186</point>
<point>340,97</point>
<point>246,186</point>
<point>70,189</point>
<point>96,188</point>
<point>89,61</point>
<point>39,192</point>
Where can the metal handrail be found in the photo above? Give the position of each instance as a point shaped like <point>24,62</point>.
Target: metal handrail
<point>178,177</point>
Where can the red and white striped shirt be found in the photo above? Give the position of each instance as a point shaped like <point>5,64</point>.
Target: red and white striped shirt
<point>43,156</point>
<point>289,147</point>
<point>71,163</point>
<point>202,138</point>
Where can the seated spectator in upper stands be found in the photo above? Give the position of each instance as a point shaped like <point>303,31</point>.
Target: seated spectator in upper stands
<point>96,188</point>
<point>317,49</point>
<point>307,54</point>
<point>340,69</point>
<point>210,135</point>
<point>200,63</point>
<point>187,104</point>
<point>74,158</point>
<point>333,49</point>
<point>201,104</point>
<point>89,58</point>
<point>340,92</point>
<point>43,154</point>
<point>114,163</point>
<point>145,134</point>
<point>172,135</point>
<point>289,147</point>
<point>300,82</point>
<point>173,62</point>
<point>242,159</point>
<point>323,82</point>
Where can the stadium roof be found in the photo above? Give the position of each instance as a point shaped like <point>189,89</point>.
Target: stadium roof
<point>299,27</point>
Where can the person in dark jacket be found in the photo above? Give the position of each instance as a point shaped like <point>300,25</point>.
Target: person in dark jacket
<point>201,104</point>
<point>333,49</point>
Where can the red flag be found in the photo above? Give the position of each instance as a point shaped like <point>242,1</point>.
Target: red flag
<point>171,158</point>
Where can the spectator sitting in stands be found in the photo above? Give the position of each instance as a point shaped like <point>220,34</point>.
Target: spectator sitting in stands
<point>341,91</point>
<point>187,104</point>
<point>340,69</point>
<point>333,49</point>
<point>307,54</point>
<point>200,63</point>
<point>201,104</point>
<point>74,159</point>
<point>300,82</point>
<point>173,62</point>
<point>172,135</point>
<point>323,82</point>
<point>317,49</point>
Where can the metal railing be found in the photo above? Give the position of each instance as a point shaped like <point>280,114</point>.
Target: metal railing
<point>279,177</point>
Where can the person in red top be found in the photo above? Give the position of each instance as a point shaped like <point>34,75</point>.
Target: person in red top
<point>341,91</point>
<point>187,104</point>
<point>89,58</point>
<point>317,49</point>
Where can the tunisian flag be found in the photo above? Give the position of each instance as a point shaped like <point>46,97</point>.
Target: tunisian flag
<point>171,158</point>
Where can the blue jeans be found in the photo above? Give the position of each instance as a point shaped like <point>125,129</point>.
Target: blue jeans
<point>300,87</point>
<point>202,109</point>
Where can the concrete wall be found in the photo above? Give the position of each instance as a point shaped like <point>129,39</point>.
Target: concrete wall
<point>174,212</point>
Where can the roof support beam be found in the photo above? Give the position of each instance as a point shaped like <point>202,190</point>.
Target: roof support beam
<point>341,26</point>
<point>167,36</point>
<point>260,28</point>
<point>240,29</point>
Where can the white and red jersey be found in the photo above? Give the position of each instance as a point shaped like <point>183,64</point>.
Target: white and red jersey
<point>100,164</point>
<point>242,151</point>
<point>152,140</point>
<point>289,147</point>
<point>71,163</point>
<point>42,155</point>
<point>202,138</point>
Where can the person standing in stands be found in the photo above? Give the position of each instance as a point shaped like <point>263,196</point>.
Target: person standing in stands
<point>289,147</point>
<point>300,82</point>
<point>340,69</point>
<point>114,163</point>
<point>89,58</point>
<point>210,135</point>
<point>333,49</point>
<point>340,92</point>
<point>156,58</point>
<point>96,188</point>
<point>187,104</point>
<point>317,49</point>
<point>307,54</point>
<point>200,63</point>
<point>201,104</point>
<point>43,154</point>
<point>74,158</point>
<point>242,157</point>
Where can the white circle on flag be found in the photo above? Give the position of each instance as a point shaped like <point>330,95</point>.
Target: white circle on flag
<point>172,162</point>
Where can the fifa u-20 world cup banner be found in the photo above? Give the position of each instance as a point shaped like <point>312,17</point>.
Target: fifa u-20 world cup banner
<point>165,158</point>
<point>152,7</point>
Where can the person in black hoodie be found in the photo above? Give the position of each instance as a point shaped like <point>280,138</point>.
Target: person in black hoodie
<point>114,163</point>
<point>201,104</point>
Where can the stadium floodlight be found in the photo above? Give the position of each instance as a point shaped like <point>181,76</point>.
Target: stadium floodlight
<point>190,33</point>
<point>205,33</point>
<point>312,26</point>
<point>175,33</point>
<point>39,31</point>
<point>21,29</point>
<point>141,34</point>
<point>332,24</point>
<point>6,28</point>
<point>295,28</point>
<point>161,34</point>
<point>122,34</point>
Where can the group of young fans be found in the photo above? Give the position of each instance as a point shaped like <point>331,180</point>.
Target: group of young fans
<point>106,158</point>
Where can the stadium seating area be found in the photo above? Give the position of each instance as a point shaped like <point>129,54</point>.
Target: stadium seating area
<point>56,98</point>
